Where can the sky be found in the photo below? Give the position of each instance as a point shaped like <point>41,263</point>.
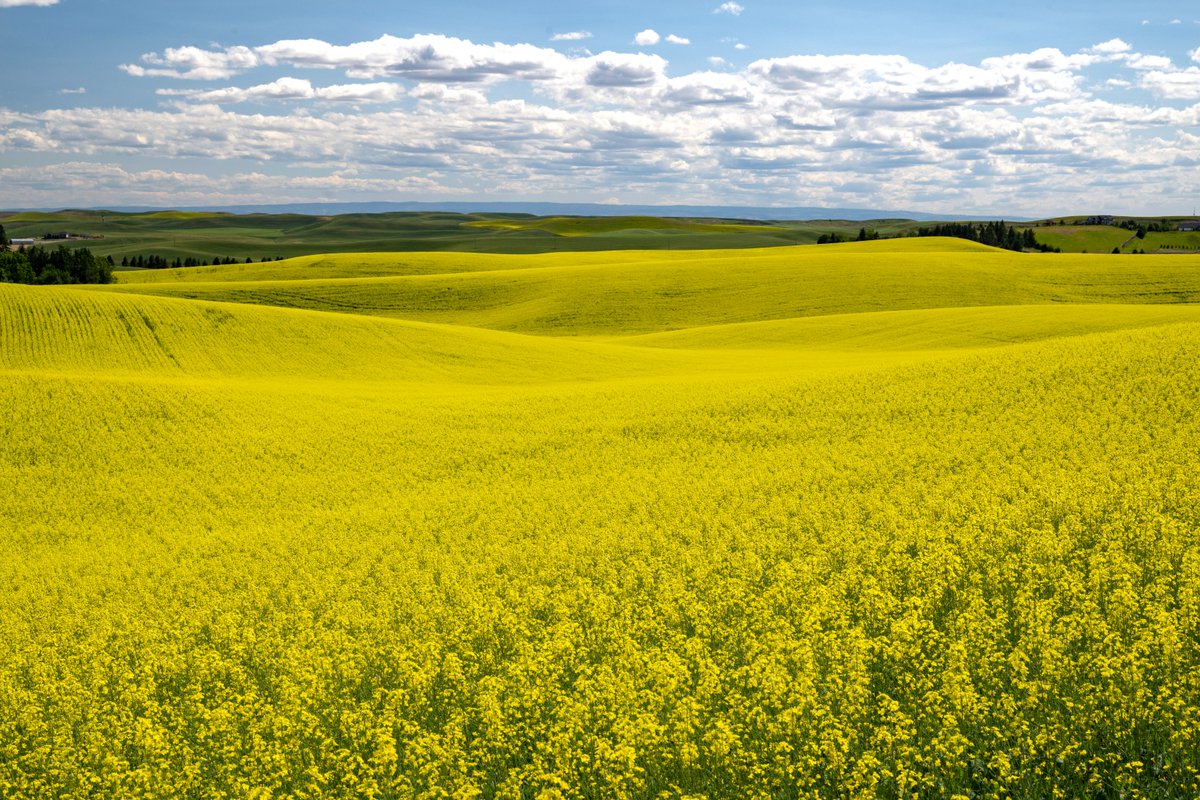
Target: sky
<point>1019,108</point>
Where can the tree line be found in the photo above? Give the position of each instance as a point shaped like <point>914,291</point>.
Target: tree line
<point>37,265</point>
<point>993,234</point>
<point>864,235</point>
<point>1142,228</point>
<point>161,262</point>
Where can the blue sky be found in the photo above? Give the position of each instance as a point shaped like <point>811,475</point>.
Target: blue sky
<point>1018,108</point>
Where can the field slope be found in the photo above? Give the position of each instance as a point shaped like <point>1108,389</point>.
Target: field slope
<point>898,519</point>
<point>646,292</point>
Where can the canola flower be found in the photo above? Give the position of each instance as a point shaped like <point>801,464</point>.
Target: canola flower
<point>255,552</point>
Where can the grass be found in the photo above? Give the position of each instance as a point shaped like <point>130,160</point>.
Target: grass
<point>897,519</point>
<point>1102,239</point>
<point>1154,242</point>
<point>205,235</point>
<point>587,226</point>
<point>1083,238</point>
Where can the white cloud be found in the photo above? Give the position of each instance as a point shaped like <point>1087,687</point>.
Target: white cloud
<point>97,183</point>
<point>79,90</point>
<point>193,63</point>
<point>571,36</point>
<point>673,39</point>
<point>709,89</point>
<point>1176,22</point>
<point>647,37</point>
<point>1140,61</point>
<point>1023,128</point>
<point>425,57</point>
<point>1178,85</point>
<point>894,82</point>
<point>610,69</point>
<point>729,8</point>
<point>740,46</point>
<point>1113,47</point>
<point>15,3</point>
<point>294,89</point>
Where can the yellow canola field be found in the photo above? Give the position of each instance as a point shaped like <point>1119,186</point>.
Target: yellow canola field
<point>262,552</point>
<point>630,292</point>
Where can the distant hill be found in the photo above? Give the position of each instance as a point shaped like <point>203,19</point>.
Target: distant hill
<point>569,209</point>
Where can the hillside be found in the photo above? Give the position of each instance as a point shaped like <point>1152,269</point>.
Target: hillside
<point>893,519</point>
<point>644,292</point>
<point>208,235</point>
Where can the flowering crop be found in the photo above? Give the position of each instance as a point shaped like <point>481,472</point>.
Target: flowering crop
<point>260,552</point>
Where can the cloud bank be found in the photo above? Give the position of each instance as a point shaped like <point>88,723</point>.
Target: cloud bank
<point>1040,132</point>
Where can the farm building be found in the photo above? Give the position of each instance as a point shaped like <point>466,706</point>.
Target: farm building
<point>1190,225</point>
<point>21,242</point>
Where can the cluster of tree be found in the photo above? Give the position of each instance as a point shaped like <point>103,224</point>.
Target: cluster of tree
<point>993,234</point>
<point>835,238</point>
<point>1142,228</point>
<point>161,262</point>
<point>62,265</point>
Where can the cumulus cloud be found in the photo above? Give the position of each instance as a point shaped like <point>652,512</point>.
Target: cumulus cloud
<point>425,57</point>
<point>15,3</point>
<point>647,37</point>
<point>729,8</point>
<point>709,88</point>
<point>673,39</point>
<point>625,69</point>
<point>1177,85</point>
<point>193,63</point>
<point>804,128</point>
<point>571,36</point>
<point>889,81</point>
<point>1140,61</point>
<point>1113,47</point>
<point>96,183</point>
<point>294,89</point>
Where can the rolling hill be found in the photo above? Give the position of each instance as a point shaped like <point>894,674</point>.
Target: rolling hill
<point>892,519</point>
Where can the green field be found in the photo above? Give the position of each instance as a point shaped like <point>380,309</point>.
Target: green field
<point>899,519</point>
<point>1103,238</point>
<point>204,235</point>
<point>1085,238</point>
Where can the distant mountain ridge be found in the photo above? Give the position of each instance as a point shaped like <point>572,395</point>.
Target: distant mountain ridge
<point>568,209</point>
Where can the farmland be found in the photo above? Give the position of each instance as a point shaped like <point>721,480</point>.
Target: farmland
<point>1103,238</point>
<point>209,235</point>
<point>892,519</point>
